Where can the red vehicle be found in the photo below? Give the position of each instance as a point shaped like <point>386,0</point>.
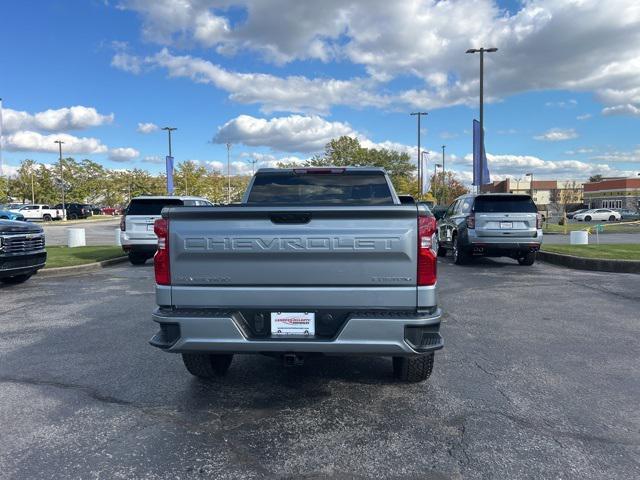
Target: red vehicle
<point>111,211</point>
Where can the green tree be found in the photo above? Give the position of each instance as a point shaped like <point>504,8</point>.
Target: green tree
<point>347,152</point>
<point>595,178</point>
<point>446,187</point>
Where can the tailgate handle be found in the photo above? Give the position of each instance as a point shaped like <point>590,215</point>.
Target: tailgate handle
<point>290,218</point>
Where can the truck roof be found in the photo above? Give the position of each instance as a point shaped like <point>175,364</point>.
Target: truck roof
<point>346,169</point>
<point>165,197</point>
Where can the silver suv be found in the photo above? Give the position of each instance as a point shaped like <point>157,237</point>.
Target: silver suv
<point>494,225</point>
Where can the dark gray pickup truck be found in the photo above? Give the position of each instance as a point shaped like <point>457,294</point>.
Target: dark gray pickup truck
<point>22,250</point>
<point>314,261</point>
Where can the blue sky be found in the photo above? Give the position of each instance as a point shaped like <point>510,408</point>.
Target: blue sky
<point>280,78</point>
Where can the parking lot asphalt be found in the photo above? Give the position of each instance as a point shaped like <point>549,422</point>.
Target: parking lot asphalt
<point>539,378</point>
<point>96,233</point>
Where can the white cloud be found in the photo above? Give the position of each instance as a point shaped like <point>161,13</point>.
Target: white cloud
<point>580,151</point>
<point>27,141</point>
<point>620,156</point>
<point>586,116</point>
<point>147,127</point>
<point>557,135</point>
<point>63,119</point>
<point>123,154</point>
<point>154,159</point>
<point>292,93</point>
<point>626,109</point>
<point>562,104</point>
<point>294,133</point>
<point>578,45</point>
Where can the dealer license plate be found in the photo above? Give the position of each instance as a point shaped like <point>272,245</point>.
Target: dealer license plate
<point>293,323</point>
<point>506,225</point>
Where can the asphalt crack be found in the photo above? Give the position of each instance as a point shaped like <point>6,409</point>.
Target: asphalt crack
<point>90,392</point>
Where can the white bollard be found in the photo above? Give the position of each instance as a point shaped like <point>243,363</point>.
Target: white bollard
<point>118,239</point>
<point>579,237</point>
<point>75,237</point>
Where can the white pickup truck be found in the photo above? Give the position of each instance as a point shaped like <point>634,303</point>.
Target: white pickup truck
<point>39,211</point>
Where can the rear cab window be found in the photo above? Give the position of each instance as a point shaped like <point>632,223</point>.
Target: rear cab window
<point>151,206</point>
<point>504,203</point>
<point>326,186</point>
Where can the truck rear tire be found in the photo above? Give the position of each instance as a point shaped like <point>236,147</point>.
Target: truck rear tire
<point>413,369</point>
<point>528,259</point>
<point>137,259</point>
<point>205,365</point>
<point>46,218</point>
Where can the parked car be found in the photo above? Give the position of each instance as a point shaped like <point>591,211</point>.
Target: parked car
<point>138,239</point>
<point>314,261</point>
<point>571,215</point>
<point>598,215</point>
<point>10,215</point>
<point>111,211</point>
<point>22,250</point>
<point>88,209</point>
<point>494,225</point>
<point>40,212</point>
<point>95,210</point>
<point>75,210</point>
<point>628,214</point>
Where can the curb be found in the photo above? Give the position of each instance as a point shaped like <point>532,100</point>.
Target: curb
<point>593,264</point>
<point>87,267</point>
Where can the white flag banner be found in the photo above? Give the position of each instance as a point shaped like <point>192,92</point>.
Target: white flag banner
<point>425,187</point>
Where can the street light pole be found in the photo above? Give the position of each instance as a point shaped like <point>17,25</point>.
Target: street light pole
<point>531,184</point>
<point>253,165</point>
<point>420,173</point>
<point>169,162</point>
<point>64,206</point>
<point>33,195</point>
<point>481,51</point>
<point>228,173</point>
<point>169,130</point>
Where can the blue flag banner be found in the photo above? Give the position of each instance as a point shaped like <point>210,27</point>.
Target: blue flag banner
<point>169,175</point>
<point>480,166</point>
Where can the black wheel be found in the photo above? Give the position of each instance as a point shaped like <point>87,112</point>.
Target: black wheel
<point>528,259</point>
<point>587,218</point>
<point>612,218</point>
<point>16,279</point>
<point>73,216</point>
<point>137,259</point>
<point>442,251</point>
<point>46,218</point>
<point>413,369</point>
<point>205,365</point>
<point>459,256</point>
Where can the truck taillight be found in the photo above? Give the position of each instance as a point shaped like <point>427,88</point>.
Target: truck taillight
<point>538,221</point>
<point>427,251</point>
<point>161,258</point>
<point>471,221</point>
<point>123,224</point>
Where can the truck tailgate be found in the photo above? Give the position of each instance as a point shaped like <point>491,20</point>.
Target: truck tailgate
<point>356,257</point>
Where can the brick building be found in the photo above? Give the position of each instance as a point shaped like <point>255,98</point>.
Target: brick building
<point>617,192</point>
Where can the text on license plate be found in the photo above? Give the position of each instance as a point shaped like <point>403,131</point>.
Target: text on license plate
<point>149,227</point>
<point>506,225</point>
<point>293,323</point>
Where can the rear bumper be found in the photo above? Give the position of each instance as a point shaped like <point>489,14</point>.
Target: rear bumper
<point>502,245</point>
<point>201,330</point>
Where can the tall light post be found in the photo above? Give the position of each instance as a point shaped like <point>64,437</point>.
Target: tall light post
<point>64,206</point>
<point>33,194</point>
<point>419,115</point>
<point>253,165</point>
<point>169,162</point>
<point>482,51</point>
<point>228,173</point>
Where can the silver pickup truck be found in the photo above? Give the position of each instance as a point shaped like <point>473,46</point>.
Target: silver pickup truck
<point>313,261</point>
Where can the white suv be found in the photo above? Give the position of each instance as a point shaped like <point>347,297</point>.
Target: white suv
<point>137,236</point>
